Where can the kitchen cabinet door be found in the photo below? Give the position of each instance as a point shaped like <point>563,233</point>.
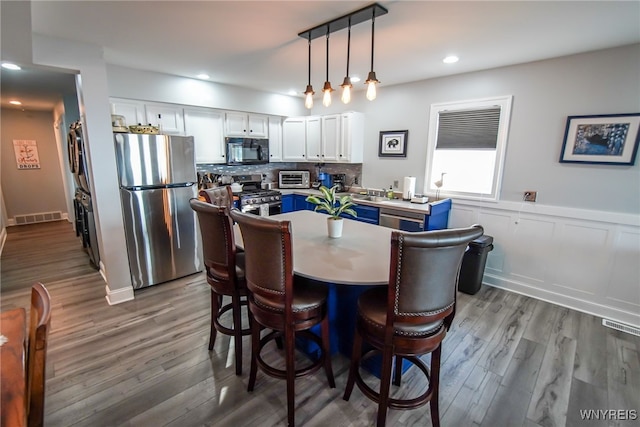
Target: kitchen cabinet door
<point>207,128</point>
<point>351,144</point>
<point>294,139</point>
<point>133,111</point>
<point>246,125</point>
<point>168,117</point>
<point>275,139</point>
<point>314,138</point>
<point>330,135</point>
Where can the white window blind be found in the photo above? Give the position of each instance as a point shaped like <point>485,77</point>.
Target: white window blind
<point>468,129</point>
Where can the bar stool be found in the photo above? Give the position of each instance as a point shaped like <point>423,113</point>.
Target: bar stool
<point>412,315</point>
<point>280,302</point>
<point>225,274</point>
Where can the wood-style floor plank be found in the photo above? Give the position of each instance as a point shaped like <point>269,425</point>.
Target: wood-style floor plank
<point>146,363</point>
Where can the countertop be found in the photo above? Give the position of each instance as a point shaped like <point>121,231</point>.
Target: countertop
<point>388,203</point>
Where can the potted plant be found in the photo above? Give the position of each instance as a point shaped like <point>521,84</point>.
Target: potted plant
<point>334,205</point>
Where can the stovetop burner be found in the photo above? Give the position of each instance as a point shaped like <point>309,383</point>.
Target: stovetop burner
<point>257,197</point>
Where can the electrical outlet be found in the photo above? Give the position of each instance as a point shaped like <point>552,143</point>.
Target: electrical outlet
<point>530,196</point>
<point>395,184</point>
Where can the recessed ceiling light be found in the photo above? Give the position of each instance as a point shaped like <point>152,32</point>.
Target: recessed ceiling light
<point>10,66</point>
<point>292,92</point>
<point>355,79</point>
<point>450,59</point>
<point>203,76</point>
<point>15,102</point>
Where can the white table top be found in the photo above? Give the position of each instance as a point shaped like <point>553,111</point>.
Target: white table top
<point>360,257</point>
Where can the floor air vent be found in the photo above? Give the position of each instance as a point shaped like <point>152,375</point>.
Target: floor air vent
<point>621,327</point>
<point>38,217</point>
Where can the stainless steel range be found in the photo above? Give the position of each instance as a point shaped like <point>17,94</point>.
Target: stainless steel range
<point>253,199</point>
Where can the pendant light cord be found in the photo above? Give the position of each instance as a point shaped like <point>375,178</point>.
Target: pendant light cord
<point>309,59</point>
<point>373,24</point>
<point>348,45</point>
<point>327,53</point>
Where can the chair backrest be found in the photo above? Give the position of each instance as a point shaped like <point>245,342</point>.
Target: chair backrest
<point>40,320</point>
<point>268,256</point>
<point>218,244</point>
<point>424,272</point>
<point>219,196</point>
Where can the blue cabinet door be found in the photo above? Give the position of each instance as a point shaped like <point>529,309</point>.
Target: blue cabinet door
<point>368,214</point>
<point>300,203</point>
<point>287,203</point>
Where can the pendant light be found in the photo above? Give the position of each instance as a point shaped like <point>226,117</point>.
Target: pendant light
<point>308,100</point>
<point>327,89</point>
<point>346,84</point>
<point>371,78</point>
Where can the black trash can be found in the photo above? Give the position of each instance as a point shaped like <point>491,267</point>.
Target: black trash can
<point>473,263</point>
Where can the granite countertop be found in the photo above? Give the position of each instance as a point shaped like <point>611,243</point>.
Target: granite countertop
<point>386,203</point>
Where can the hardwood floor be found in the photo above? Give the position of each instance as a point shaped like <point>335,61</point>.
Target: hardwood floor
<point>508,360</point>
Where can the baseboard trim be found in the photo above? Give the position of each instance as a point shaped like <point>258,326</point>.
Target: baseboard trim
<point>119,296</point>
<point>598,310</point>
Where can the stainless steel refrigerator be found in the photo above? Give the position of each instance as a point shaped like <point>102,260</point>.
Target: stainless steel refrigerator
<point>157,178</point>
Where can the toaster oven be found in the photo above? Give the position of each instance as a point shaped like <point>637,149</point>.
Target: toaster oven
<point>294,179</point>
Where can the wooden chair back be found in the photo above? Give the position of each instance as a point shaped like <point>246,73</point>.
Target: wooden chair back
<point>40,320</point>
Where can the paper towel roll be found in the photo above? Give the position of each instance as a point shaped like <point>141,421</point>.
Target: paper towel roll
<point>409,188</point>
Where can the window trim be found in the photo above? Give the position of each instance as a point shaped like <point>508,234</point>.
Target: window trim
<point>504,102</point>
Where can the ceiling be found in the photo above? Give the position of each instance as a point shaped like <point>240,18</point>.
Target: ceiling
<point>254,44</point>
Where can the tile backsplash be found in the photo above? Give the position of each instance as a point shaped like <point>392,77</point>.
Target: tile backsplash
<point>353,171</point>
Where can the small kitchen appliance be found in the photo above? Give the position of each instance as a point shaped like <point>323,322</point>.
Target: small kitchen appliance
<point>340,180</point>
<point>294,179</point>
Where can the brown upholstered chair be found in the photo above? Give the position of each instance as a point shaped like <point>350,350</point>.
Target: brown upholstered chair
<point>219,196</point>
<point>225,274</point>
<point>40,320</point>
<point>281,303</point>
<point>411,316</point>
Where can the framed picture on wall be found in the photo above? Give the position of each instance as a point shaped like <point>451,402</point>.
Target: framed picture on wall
<point>393,143</point>
<point>602,139</point>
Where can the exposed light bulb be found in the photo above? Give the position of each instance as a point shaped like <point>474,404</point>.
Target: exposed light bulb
<point>346,94</point>
<point>371,91</point>
<point>308,100</point>
<point>326,98</point>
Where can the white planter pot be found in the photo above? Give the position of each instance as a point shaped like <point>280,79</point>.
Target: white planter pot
<point>334,227</point>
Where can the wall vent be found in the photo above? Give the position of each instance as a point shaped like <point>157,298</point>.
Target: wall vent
<point>621,327</point>
<point>38,217</point>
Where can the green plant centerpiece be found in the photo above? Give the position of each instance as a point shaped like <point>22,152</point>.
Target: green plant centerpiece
<point>329,202</point>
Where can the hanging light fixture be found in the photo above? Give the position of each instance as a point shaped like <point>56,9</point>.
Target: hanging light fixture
<point>326,28</point>
<point>346,84</point>
<point>371,81</point>
<point>327,89</point>
<point>308,99</point>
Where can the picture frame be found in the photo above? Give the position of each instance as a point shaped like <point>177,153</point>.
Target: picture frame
<point>610,139</point>
<point>393,143</point>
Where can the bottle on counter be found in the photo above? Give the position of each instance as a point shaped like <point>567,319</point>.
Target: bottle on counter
<point>390,193</point>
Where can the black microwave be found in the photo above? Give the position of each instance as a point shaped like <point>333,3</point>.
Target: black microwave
<point>247,151</point>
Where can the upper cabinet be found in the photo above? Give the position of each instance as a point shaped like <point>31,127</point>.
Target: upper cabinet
<point>249,125</point>
<point>335,138</point>
<point>132,111</point>
<point>169,118</point>
<point>275,139</point>
<point>207,128</point>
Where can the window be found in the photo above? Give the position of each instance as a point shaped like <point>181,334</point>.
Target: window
<point>467,142</point>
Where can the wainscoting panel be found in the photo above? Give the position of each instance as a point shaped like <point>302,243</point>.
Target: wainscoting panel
<point>585,260</point>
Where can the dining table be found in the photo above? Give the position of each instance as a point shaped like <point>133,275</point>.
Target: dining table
<point>348,265</point>
<point>12,367</point>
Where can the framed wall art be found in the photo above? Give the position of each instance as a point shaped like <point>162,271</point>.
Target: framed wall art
<point>393,143</point>
<point>603,139</point>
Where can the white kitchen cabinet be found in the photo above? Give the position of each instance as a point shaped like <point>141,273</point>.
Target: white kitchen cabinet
<point>314,138</point>
<point>294,139</point>
<point>207,128</point>
<point>249,125</point>
<point>331,134</point>
<point>351,145</point>
<point>169,118</point>
<point>275,139</point>
<point>132,111</point>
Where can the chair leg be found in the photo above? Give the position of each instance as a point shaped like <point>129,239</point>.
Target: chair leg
<point>255,350</point>
<point>289,343</point>
<point>326,350</point>
<point>215,308</point>
<point>356,354</point>
<point>385,384</point>
<point>397,376</point>
<point>434,384</point>
<point>237,331</point>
